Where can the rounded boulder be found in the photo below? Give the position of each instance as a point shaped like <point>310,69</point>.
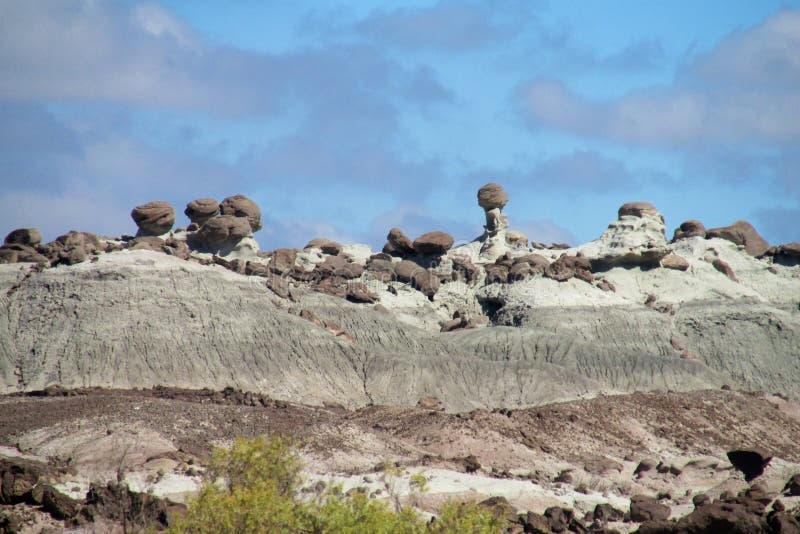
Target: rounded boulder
<point>154,218</point>
<point>202,209</point>
<point>241,206</point>
<point>491,196</point>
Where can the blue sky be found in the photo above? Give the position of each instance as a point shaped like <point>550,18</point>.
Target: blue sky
<point>343,119</point>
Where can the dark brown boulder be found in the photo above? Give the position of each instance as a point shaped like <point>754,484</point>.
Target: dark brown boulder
<point>17,478</point>
<point>201,210</point>
<point>433,243</point>
<point>58,505</point>
<point>464,270</point>
<point>644,508</point>
<point>340,267</point>
<point>792,487</point>
<point>222,231</point>
<point>380,269</point>
<point>146,243</point>
<point>646,465</point>
<point>116,502</point>
<point>177,248</point>
<point>398,244</point>
<point>567,267</point>
<point>675,262</point>
<point>604,512</point>
<point>788,250</point>
<point>325,245</point>
<point>537,262</point>
<point>723,267</point>
<point>690,228</point>
<point>24,236</point>
<point>72,248</point>
<point>241,206</point>
<point>496,274</point>
<point>360,293</point>
<point>18,253</point>
<point>751,462</point>
<point>637,209</point>
<point>153,218</point>
<point>491,196</point>
<point>406,270</point>
<point>282,260</point>
<point>520,271</point>
<point>425,282</point>
<point>742,233</point>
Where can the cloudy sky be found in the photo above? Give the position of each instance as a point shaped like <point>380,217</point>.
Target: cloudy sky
<point>342,119</point>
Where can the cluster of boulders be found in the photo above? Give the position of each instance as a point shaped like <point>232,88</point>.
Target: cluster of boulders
<point>29,482</point>
<point>24,246</point>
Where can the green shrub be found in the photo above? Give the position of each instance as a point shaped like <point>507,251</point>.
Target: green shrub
<point>253,488</point>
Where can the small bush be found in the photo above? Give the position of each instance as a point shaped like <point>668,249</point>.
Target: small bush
<point>253,488</point>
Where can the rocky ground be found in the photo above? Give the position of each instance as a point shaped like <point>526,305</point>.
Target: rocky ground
<point>574,455</point>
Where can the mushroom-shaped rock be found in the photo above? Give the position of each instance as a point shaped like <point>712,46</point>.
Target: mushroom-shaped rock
<point>201,210</point>
<point>433,243</point>
<point>398,244</point>
<point>690,228</point>
<point>637,209</point>
<point>491,196</point>
<point>222,232</point>
<point>241,206</point>
<point>24,236</point>
<point>153,218</point>
<point>742,233</point>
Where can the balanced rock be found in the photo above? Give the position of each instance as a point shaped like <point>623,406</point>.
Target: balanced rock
<point>241,206</point>
<point>201,210</point>
<point>222,232</point>
<point>742,233</point>
<point>690,228</point>
<point>398,244</point>
<point>153,218</point>
<point>491,196</point>
<point>24,236</point>
<point>433,243</point>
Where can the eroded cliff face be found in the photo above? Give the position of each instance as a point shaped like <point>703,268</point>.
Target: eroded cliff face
<point>137,318</point>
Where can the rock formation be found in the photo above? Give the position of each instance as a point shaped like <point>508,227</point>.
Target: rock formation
<point>221,234</point>
<point>433,243</point>
<point>690,228</point>
<point>742,233</point>
<point>492,198</point>
<point>241,206</point>
<point>201,210</point>
<point>153,218</point>
<point>636,238</point>
<point>398,244</point>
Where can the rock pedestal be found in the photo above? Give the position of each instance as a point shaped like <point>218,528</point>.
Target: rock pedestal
<point>492,198</point>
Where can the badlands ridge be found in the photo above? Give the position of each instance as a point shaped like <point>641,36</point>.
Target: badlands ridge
<point>496,322</point>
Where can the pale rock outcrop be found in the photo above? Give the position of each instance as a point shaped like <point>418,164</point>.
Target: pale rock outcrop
<point>153,218</point>
<point>516,239</point>
<point>636,238</point>
<point>201,210</point>
<point>241,206</point>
